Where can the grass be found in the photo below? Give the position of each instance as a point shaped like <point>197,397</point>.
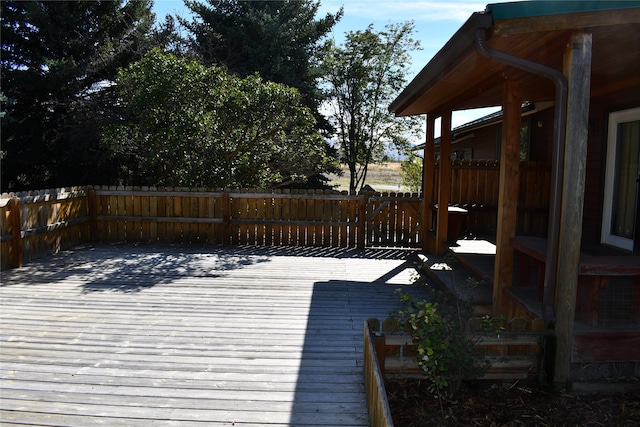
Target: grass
<point>382,177</point>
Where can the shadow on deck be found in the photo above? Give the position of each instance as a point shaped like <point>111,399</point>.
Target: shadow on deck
<point>193,335</point>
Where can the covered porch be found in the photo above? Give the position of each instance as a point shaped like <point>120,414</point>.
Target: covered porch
<point>607,309</point>
<point>618,310</point>
<point>574,55</point>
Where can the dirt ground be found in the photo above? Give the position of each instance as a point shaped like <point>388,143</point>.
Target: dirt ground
<point>483,403</point>
<point>384,177</point>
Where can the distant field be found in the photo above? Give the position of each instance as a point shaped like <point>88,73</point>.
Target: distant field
<point>385,177</point>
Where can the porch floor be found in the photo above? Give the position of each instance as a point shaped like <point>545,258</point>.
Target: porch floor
<point>473,259</point>
<point>187,335</point>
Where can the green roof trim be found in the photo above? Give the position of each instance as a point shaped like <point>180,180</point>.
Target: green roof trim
<point>527,9</point>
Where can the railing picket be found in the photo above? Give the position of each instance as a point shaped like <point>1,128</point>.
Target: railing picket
<point>302,215</point>
<point>194,229</point>
<point>153,213</point>
<point>137,213</point>
<point>316,215</point>
<point>177,213</point>
<point>214,210</point>
<point>330,213</point>
<point>116,205</point>
<point>169,228</point>
<point>161,212</point>
<point>185,213</point>
<point>277,214</point>
<point>145,211</point>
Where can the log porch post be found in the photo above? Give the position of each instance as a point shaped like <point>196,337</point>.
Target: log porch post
<point>428,183</point>
<point>507,194</point>
<point>444,183</point>
<point>577,69</point>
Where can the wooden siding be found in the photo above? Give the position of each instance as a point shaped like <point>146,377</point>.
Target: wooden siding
<point>192,335</point>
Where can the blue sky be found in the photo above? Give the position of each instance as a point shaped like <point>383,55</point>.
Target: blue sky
<point>435,22</point>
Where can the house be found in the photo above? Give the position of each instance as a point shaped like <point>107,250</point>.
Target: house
<point>482,137</point>
<point>577,65</point>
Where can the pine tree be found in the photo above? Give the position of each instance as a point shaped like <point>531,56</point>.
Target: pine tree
<point>59,60</point>
<point>280,40</point>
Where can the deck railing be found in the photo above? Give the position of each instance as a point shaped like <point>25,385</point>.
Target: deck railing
<point>43,222</point>
<point>238,217</point>
<point>475,186</point>
<point>377,402</point>
<point>40,223</point>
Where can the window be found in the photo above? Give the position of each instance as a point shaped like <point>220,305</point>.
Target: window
<point>621,179</point>
<point>525,140</point>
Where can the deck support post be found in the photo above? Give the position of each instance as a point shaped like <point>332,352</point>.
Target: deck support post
<point>428,184</point>
<point>507,193</point>
<point>577,70</point>
<point>444,183</point>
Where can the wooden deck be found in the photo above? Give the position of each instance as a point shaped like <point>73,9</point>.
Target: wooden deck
<point>192,335</point>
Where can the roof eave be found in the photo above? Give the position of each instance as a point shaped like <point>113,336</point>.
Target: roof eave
<point>459,43</point>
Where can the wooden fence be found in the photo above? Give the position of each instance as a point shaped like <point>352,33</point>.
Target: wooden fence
<point>44,222</point>
<point>393,221</point>
<point>475,184</point>
<point>39,223</point>
<point>297,218</point>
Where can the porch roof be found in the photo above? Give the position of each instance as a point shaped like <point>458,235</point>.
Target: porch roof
<point>459,77</point>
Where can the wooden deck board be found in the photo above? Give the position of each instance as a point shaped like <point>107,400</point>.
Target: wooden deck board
<point>192,335</point>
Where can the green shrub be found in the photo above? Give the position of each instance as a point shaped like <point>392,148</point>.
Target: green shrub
<point>446,354</point>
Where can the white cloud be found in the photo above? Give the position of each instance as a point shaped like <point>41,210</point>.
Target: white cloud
<point>424,11</point>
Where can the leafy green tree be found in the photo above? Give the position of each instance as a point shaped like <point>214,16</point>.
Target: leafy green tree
<point>362,77</point>
<point>280,40</point>
<point>192,125</point>
<point>58,58</point>
<point>411,172</point>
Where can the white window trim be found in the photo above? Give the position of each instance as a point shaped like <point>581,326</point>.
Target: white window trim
<point>615,118</point>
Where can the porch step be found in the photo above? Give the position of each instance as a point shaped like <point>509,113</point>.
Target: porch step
<point>452,276</point>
